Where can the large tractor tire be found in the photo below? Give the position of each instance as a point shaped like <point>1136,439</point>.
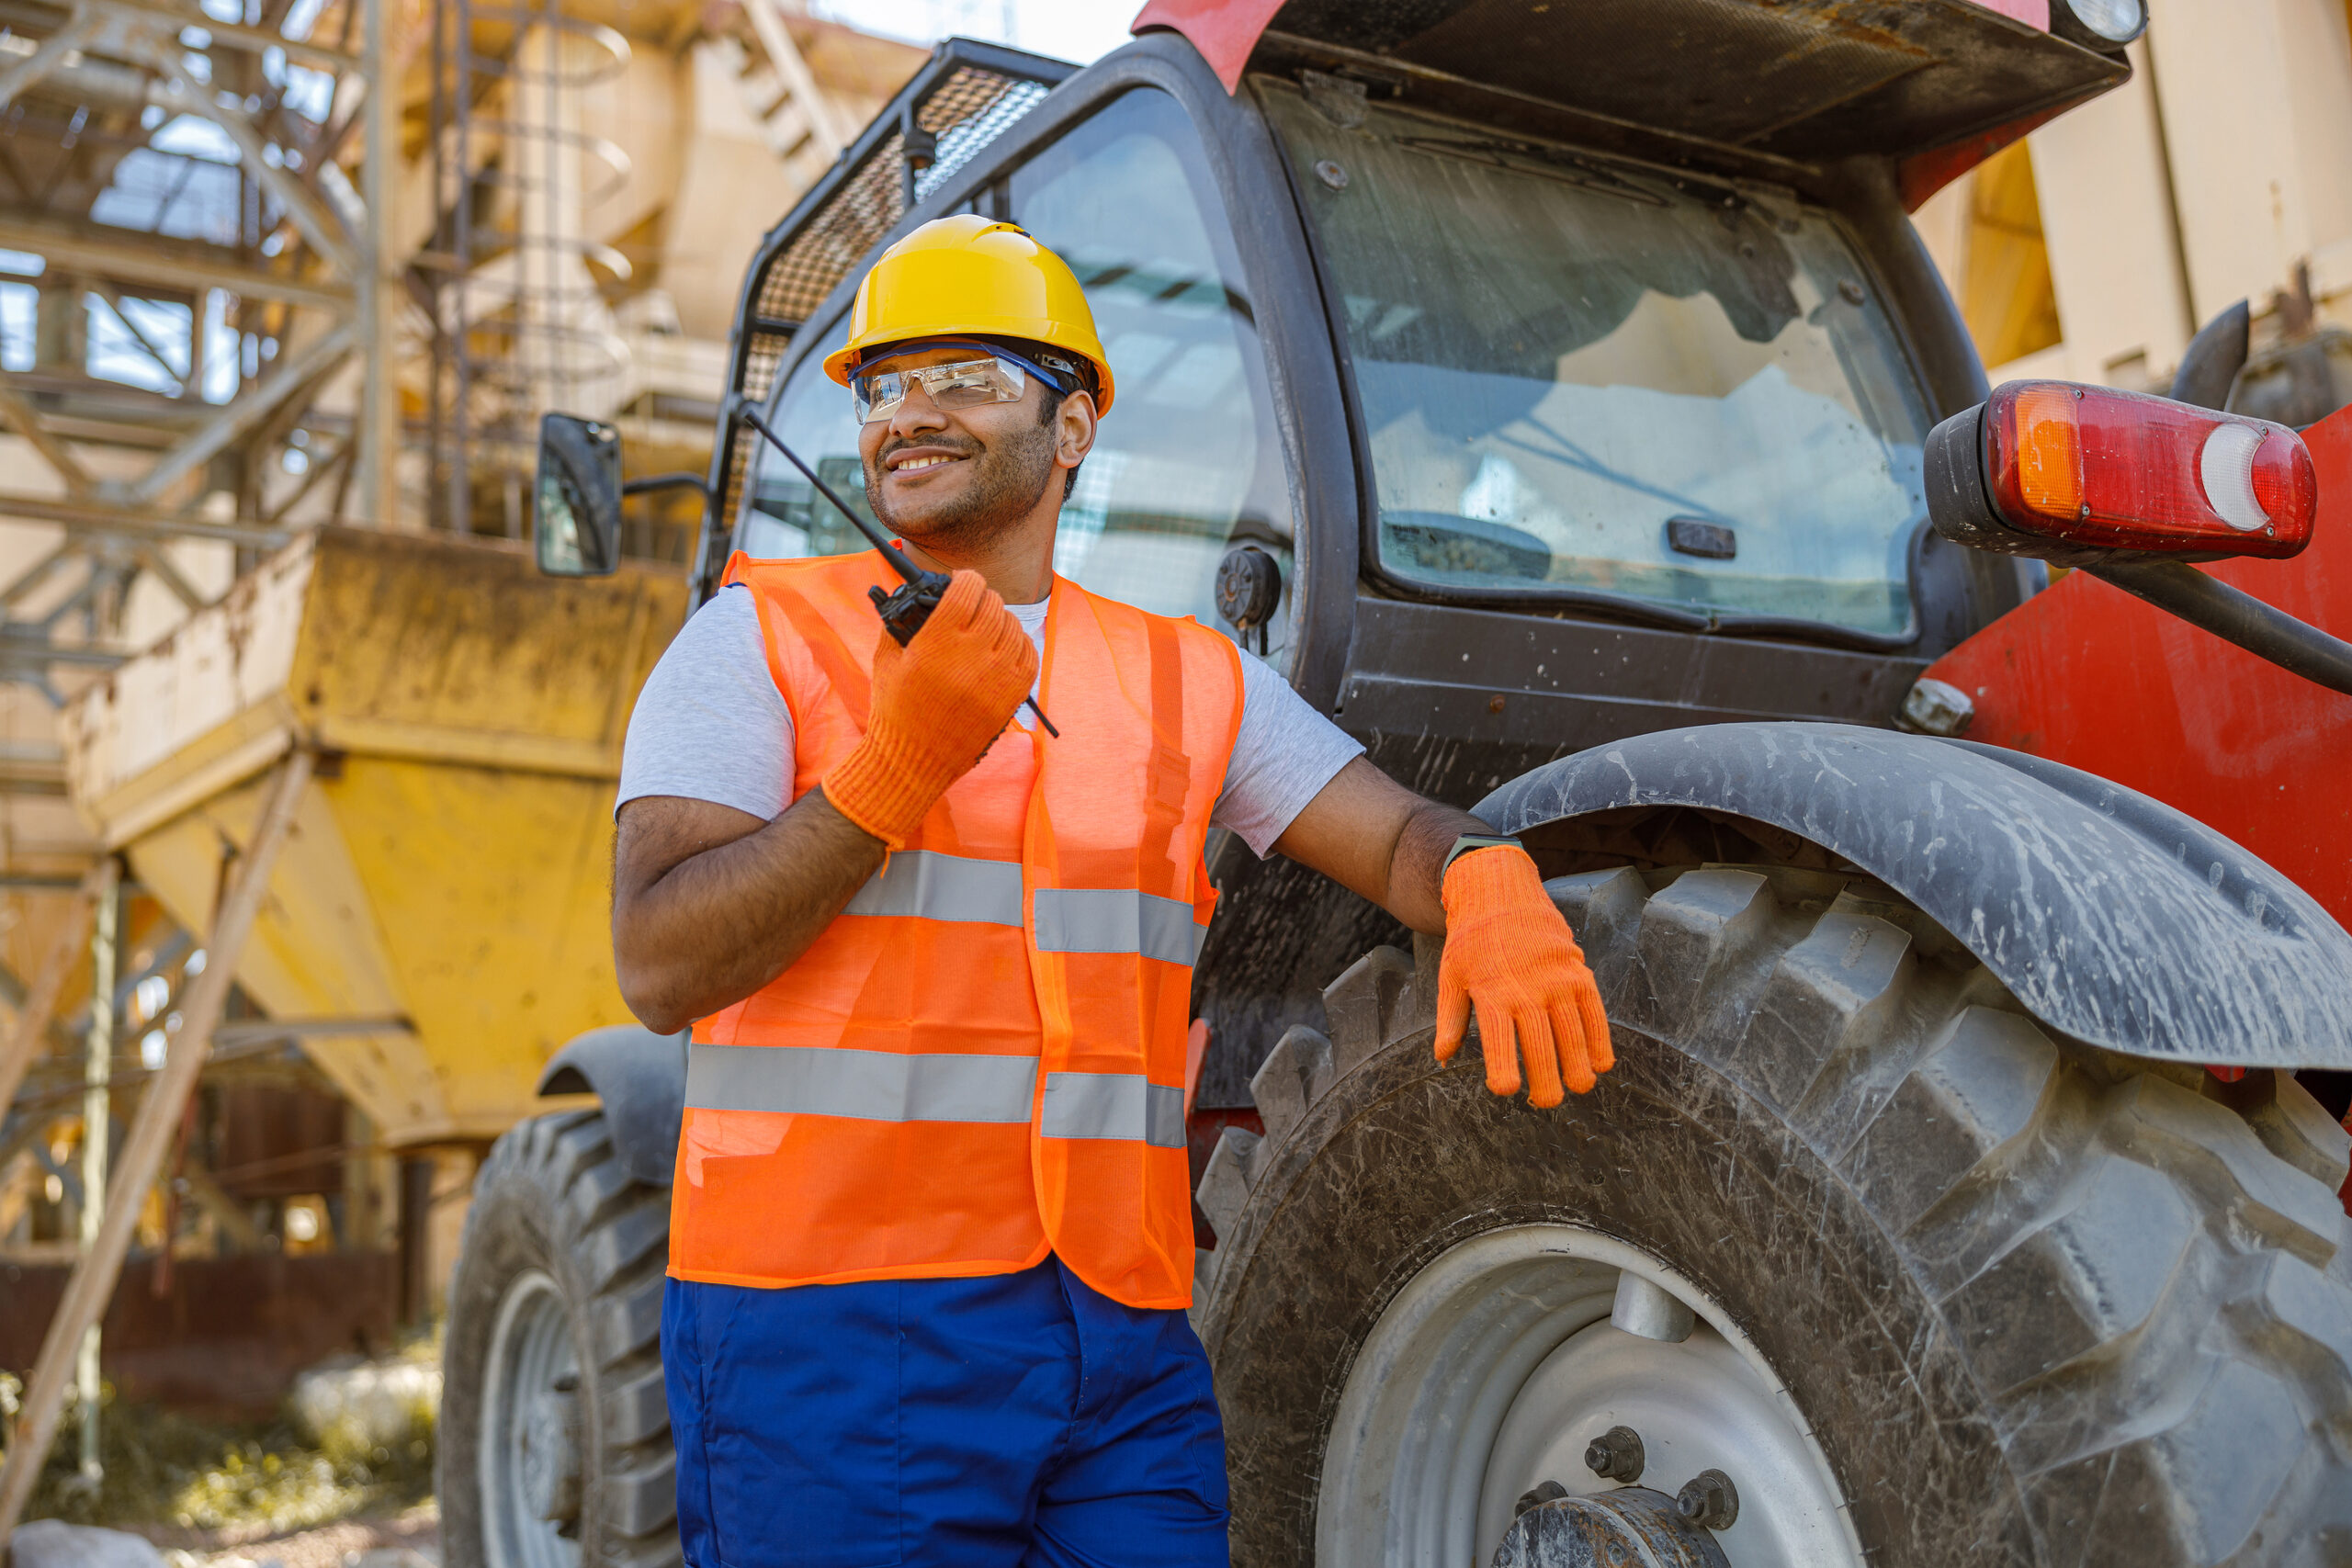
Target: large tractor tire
<point>1927,1285</point>
<point>555,1446</point>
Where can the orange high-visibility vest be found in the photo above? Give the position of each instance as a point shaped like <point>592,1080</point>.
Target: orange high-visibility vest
<point>982,1059</point>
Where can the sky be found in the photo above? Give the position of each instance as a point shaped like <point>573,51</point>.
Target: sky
<point>1078,30</point>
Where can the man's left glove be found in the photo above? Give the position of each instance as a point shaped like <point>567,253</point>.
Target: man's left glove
<point>1510,955</point>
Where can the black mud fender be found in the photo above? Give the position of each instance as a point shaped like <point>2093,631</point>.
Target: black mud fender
<point>641,1079</point>
<point>2112,918</point>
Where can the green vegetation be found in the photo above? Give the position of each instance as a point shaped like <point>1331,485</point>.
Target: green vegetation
<point>163,1467</point>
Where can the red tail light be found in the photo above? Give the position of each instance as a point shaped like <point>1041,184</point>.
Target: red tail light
<point>2094,467</point>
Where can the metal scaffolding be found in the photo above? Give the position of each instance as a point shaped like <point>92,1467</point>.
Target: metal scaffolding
<point>198,274</point>
<point>520,322</point>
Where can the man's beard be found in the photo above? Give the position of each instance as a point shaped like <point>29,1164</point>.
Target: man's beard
<point>1007,477</point>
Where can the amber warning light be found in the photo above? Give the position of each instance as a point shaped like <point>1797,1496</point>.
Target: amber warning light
<point>2093,466</point>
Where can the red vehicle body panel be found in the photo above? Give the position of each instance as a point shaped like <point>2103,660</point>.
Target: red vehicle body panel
<point>2086,675</point>
<point>1225,31</point>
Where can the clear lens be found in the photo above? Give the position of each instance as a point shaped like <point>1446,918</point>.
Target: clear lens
<point>967,384</point>
<point>2225,467</point>
<point>2119,22</point>
<point>970,385</point>
<point>877,394</point>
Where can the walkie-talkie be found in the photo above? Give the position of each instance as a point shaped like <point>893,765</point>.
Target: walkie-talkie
<point>905,609</point>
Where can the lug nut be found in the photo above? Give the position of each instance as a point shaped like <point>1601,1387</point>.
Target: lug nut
<point>1709,1500</point>
<point>1616,1455</point>
<point>1546,1492</point>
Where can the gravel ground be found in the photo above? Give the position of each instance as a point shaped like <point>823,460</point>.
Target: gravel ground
<point>417,1530</point>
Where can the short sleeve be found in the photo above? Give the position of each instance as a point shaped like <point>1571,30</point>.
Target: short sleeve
<point>711,724</point>
<point>1284,755</point>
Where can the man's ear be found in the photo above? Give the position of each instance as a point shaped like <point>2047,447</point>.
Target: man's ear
<point>1074,429</point>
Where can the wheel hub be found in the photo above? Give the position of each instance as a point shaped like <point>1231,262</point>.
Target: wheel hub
<point>1544,1366</point>
<point>530,1461</point>
<point>1631,1527</point>
<point>549,1458</point>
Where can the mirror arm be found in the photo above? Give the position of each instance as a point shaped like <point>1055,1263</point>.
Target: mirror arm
<point>667,481</point>
<point>2234,617</point>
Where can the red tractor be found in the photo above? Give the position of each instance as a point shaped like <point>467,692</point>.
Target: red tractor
<point>1559,395</point>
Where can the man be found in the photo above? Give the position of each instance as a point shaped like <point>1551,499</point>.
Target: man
<point>930,1243</point>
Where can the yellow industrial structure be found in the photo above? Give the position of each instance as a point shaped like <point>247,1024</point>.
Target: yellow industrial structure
<point>446,881</point>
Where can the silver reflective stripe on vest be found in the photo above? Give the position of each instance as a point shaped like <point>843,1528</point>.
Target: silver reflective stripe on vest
<point>934,886</point>
<point>871,1086</point>
<point>1088,919</point>
<point>1113,1105</point>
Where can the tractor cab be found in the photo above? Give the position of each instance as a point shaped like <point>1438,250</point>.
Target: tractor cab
<point>1648,348</point>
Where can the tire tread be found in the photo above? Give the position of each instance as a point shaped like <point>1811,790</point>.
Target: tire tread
<point>2182,1255</point>
<point>553,1192</point>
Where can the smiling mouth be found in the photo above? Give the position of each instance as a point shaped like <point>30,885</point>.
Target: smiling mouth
<point>916,465</point>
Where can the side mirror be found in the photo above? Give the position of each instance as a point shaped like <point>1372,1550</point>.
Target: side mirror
<point>2210,365</point>
<point>2088,475</point>
<point>576,497</point>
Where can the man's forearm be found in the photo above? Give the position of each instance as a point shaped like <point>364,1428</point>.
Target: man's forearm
<point>725,919</point>
<point>1416,866</point>
<point>1372,836</point>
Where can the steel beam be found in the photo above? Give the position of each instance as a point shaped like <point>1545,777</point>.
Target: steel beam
<point>124,522</point>
<point>97,1075</point>
<point>301,53</point>
<point>23,1041</point>
<point>237,418</point>
<point>177,91</point>
<point>154,258</point>
<point>825,122</point>
<point>19,413</point>
<point>380,413</point>
<point>154,560</point>
<point>18,645</point>
<point>152,1130</point>
<point>48,57</point>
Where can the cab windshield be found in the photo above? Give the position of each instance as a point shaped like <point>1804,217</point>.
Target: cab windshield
<point>1577,376</point>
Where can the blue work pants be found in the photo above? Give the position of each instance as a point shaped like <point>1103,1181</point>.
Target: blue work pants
<point>1018,1419</point>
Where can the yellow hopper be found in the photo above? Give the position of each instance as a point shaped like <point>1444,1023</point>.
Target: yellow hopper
<point>447,872</point>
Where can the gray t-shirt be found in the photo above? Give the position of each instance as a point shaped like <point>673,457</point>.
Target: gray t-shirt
<point>708,724</point>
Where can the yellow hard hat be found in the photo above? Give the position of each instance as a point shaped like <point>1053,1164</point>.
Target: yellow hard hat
<point>972,276</point>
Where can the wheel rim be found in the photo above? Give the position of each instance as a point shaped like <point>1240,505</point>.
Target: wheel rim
<point>1496,1366</point>
<point>528,1444</point>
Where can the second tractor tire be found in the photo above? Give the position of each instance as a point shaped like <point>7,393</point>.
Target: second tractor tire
<point>555,1446</point>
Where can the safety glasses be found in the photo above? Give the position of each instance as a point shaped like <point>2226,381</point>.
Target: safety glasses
<point>1001,377</point>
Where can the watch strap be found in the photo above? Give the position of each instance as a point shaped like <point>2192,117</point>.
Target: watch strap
<point>1468,842</point>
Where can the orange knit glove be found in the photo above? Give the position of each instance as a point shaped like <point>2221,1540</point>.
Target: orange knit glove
<point>1509,954</point>
<point>939,704</point>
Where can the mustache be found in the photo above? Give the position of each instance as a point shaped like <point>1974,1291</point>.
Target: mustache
<point>963,445</point>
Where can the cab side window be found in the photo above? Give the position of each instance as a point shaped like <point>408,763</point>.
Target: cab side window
<point>1187,463</point>
<point>783,517</point>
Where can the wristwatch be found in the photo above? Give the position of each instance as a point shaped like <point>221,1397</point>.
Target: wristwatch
<point>1468,842</point>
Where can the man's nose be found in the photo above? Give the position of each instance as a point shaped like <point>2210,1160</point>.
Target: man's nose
<point>917,415</point>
